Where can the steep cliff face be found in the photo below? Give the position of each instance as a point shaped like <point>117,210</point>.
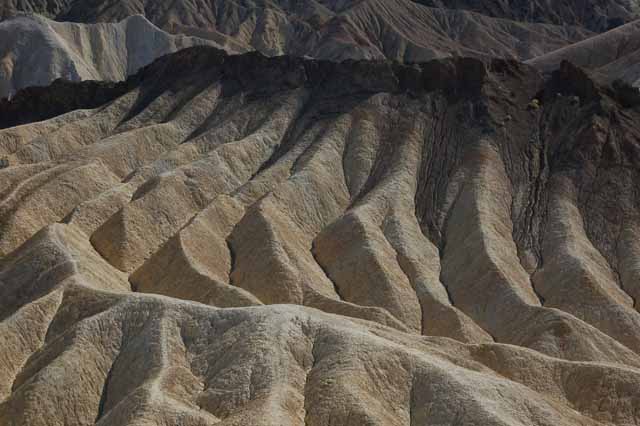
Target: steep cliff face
<point>460,237</point>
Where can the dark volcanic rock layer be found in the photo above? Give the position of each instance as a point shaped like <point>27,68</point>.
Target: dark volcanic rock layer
<point>40,103</point>
<point>460,237</point>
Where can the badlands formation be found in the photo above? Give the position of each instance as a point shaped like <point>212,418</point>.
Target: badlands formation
<point>113,41</point>
<point>239,240</point>
<point>596,15</point>
<point>35,51</point>
<point>610,56</point>
<point>401,30</point>
<point>194,236</point>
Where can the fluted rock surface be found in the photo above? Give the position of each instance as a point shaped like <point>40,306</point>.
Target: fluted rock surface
<point>279,241</point>
<point>597,15</point>
<point>48,8</point>
<point>401,30</point>
<point>614,55</point>
<point>34,50</point>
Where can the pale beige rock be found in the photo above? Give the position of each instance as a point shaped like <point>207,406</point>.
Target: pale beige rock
<point>34,50</point>
<point>307,242</point>
<point>574,268</point>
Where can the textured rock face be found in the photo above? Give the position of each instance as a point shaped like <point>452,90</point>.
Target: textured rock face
<point>49,8</point>
<point>249,240</point>
<point>401,30</point>
<point>34,51</point>
<point>609,56</point>
<point>597,15</point>
<point>40,103</point>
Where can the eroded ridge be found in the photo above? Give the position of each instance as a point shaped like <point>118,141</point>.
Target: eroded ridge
<point>233,239</point>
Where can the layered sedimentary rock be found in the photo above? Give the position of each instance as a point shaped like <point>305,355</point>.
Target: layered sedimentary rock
<point>243,239</point>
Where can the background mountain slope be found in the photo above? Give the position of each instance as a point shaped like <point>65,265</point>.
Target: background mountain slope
<point>610,56</point>
<point>596,15</point>
<point>34,51</point>
<point>397,29</point>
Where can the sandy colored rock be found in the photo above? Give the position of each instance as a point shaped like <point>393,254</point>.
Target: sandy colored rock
<point>238,240</point>
<point>34,50</point>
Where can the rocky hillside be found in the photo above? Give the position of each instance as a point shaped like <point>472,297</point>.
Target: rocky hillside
<point>596,15</point>
<point>278,241</point>
<point>48,8</point>
<point>609,56</point>
<point>34,51</point>
<point>330,29</point>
